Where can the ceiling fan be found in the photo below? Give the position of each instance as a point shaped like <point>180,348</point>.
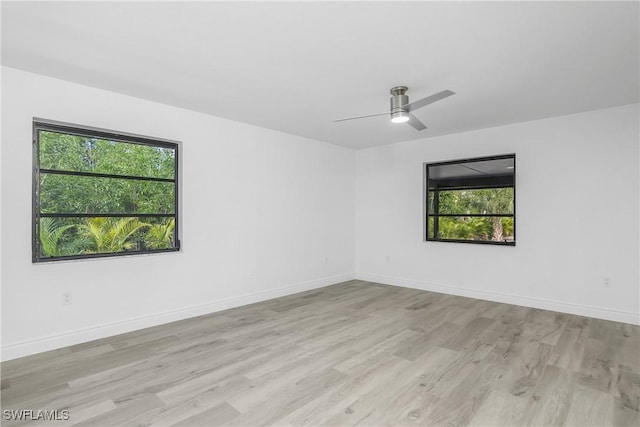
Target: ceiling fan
<point>401,108</point>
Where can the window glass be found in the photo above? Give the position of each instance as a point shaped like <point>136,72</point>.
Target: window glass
<point>99,193</point>
<point>471,200</point>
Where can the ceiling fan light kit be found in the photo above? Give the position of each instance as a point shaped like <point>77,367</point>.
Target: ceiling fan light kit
<point>400,108</point>
<point>400,117</point>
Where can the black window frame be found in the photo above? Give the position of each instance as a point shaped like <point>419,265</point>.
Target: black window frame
<point>496,184</point>
<point>91,132</point>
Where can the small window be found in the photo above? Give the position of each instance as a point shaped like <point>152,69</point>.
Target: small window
<point>100,193</point>
<point>472,200</point>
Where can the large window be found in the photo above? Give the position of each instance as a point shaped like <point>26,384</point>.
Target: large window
<point>99,193</point>
<point>471,200</point>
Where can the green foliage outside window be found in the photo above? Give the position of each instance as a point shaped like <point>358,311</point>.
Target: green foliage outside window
<point>465,202</point>
<point>140,188</point>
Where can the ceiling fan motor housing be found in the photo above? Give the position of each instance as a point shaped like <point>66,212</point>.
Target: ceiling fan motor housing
<point>398,101</point>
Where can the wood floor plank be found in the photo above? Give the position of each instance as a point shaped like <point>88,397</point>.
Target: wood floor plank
<point>412,349</point>
<point>628,354</point>
<point>351,415</point>
<point>623,415</point>
<point>461,404</point>
<point>457,367</point>
<point>524,372</point>
<point>627,396</point>
<point>589,408</point>
<point>195,403</point>
<point>501,408</point>
<point>569,349</point>
<point>390,344</point>
<point>124,412</point>
<point>423,302</point>
<point>281,381</point>
<point>217,415</point>
<point>402,409</point>
<point>437,368</point>
<point>370,406</point>
<point>356,353</point>
<point>287,398</point>
<point>549,404</point>
<point>413,398</point>
<point>80,413</point>
<point>378,371</point>
<point>468,333</point>
<point>597,369</point>
<point>36,381</point>
<point>225,374</point>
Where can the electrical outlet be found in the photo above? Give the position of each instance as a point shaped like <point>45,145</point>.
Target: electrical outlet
<point>326,260</point>
<point>606,282</point>
<point>66,298</point>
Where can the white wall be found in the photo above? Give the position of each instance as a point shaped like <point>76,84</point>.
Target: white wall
<point>577,216</point>
<point>261,212</point>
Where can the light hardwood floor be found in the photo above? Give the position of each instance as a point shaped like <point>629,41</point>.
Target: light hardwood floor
<point>355,353</point>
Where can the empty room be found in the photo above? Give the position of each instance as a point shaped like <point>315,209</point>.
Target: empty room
<point>320,213</point>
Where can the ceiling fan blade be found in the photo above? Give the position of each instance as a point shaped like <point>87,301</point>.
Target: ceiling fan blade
<point>428,100</point>
<point>415,123</point>
<point>362,117</point>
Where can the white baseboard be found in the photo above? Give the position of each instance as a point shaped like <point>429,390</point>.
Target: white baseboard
<point>582,310</point>
<point>52,342</point>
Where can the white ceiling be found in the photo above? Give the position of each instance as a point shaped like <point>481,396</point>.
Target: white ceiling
<point>297,66</point>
